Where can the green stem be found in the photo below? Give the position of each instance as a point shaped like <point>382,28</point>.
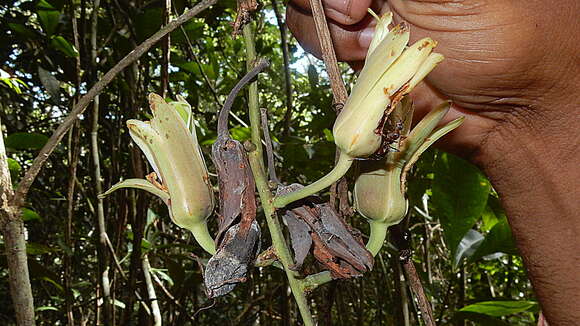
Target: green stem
<point>377,236</point>
<point>257,165</point>
<point>202,236</point>
<point>311,282</point>
<point>344,163</point>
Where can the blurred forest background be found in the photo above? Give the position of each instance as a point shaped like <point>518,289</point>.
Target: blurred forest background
<point>52,51</point>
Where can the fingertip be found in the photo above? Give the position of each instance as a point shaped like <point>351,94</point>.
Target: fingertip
<point>345,12</point>
<point>347,39</point>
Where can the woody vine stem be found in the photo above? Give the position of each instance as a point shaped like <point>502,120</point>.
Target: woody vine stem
<point>257,164</point>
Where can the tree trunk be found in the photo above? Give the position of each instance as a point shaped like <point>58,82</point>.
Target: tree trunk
<point>12,228</point>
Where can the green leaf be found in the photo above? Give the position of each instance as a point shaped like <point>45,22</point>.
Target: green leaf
<point>460,193</point>
<point>64,46</point>
<point>328,134</point>
<point>492,214</point>
<point>49,20</point>
<point>43,4</point>
<point>468,245</point>
<point>30,215</point>
<point>25,140</point>
<point>22,30</point>
<point>33,248</point>
<point>14,167</point>
<point>501,308</point>
<point>499,239</point>
<point>240,133</point>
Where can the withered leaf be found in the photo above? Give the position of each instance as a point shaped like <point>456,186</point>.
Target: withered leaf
<point>238,232</point>
<point>334,244</point>
<point>236,185</point>
<point>229,265</point>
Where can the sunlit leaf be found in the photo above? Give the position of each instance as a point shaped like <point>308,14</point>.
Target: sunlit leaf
<point>240,133</point>
<point>64,46</point>
<point>14,167</point>
<point>30,215</point>
<point>501,308</point>
<point>468,245</point>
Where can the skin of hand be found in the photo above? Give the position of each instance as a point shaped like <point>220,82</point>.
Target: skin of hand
<point>512,68</point>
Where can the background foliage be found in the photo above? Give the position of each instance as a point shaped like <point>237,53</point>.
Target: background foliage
<point>462,243</point>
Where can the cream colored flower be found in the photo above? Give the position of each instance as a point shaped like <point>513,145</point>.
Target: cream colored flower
<point>170,144</point>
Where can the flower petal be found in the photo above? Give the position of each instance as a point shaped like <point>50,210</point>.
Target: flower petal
<point>138,184</point>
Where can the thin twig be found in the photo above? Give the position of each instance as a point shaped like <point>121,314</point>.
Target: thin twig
<point>171,297</point>
<point>151,291</point>
<point>269,150</point>
<point>401,240</point>
<point>79,108</point>
<point>223,116</point>
<point>287,79</point>
<point>417,287</point>
<point>165,51</point>
<point>74,136</point>
<point>328,54</point>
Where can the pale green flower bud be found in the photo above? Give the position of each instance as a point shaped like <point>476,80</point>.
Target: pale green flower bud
<point>379,190</point>
<point>170,144</point>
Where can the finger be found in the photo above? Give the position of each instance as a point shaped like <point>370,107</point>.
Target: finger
<point>350,41</point>
<point>345,12</point>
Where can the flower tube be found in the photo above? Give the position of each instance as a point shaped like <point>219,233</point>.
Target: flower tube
<point>170,144</point>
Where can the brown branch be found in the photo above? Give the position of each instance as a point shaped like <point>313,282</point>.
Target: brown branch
<point>401,241</point>
<point>222,129</point>
<point>74,149</point>
<point>417,287</point>
<point>165,47</point>
<point>339,189</point>
<point>79,108</point>
<point>328,54</point>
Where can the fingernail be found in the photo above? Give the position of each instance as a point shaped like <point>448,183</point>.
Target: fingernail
<point>366,36</point>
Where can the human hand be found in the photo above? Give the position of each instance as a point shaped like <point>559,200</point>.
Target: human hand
<point>505,60</point>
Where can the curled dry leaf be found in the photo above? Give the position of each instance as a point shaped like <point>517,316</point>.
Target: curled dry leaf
<point>238,235</point>
<point>335,244</point>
